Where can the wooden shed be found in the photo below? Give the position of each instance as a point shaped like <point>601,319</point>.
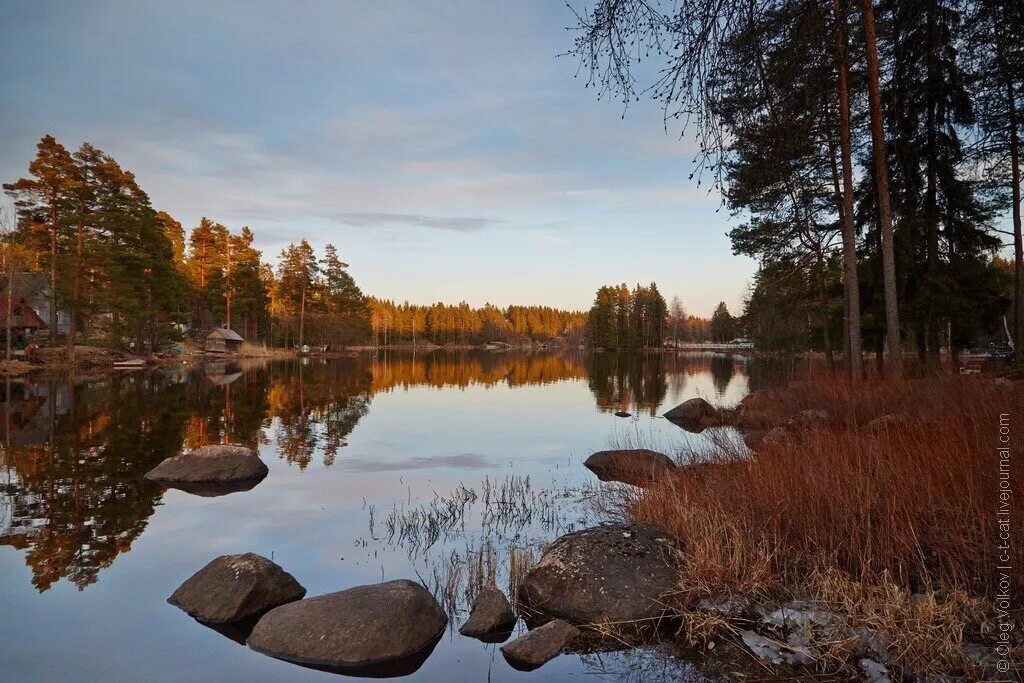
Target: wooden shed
<point>223,340</point>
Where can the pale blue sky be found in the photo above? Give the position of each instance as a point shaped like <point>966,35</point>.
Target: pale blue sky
<point>442,146</point>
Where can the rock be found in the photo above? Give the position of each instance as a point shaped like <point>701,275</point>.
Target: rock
<point>776,436</point>
<point>752,438</point>
<point>885,423</point>
<point>694,414</point>
<point>492,616</point>
<point>775,651</point>
<point>608,574</point>
<point>211,470</point>
<point>377,630</point>
<point>874,672</point>
<point>809,418</point>
<point>756,400</point>
<point>622,413</point>
<point>730,607</point>
<point>1004,383</point>
<point>638,467</point>
<point>801,616</point>
<point>539,646</point>
<point>235,587</point>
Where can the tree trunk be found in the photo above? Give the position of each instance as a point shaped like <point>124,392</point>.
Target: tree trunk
<point>855,357</point>
<point>302,317</point>
<point>76,294</point>
<point>1018,244</point>
<point>826,338</point>
<point>894,355</point>
<point>931,211</point>
<point>53,276</point>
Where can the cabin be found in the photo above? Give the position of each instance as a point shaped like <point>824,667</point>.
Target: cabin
<point>23,320</point>
<point>223,340</point>
<point>34,290</point>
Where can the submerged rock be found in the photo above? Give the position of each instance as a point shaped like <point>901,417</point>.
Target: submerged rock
<point>211,470</point>
<point>492,616</point>
<point>233,588</point>
<point>615,574</point>
<point>638,467</point>
<point>386,629</point>
<point>694,414</point>
<point>539,646</point>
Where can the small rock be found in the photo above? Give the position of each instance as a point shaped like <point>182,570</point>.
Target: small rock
<point>694,414</point>
<point>622,413</point>
<point>874,672</point>
<point>777,436</point>
<point>731,607</point>
<point>492,615</point>
<point>776,652</point>
<point>211,470</point>
<point>638,467</point>
<point>800,615</point>
<point>618,573</point>
<point>1003,383</point>
<point>385,629</point>
<point>539,646</point>
<point>809,418</point>
<point>235,587</point>
<point>885,423</point>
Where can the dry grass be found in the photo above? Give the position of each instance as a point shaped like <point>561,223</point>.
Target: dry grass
<point>894,527</point>
<point>915,503</point>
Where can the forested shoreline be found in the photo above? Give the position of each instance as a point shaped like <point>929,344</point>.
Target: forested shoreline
<point>128,275</point>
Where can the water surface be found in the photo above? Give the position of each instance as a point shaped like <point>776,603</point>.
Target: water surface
<point>450,469</point>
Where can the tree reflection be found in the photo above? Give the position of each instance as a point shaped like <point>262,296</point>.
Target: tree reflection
<point>72,492</point>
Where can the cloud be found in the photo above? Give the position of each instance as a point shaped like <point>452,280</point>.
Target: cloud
<point>460,461</point>
<point>388,220</point>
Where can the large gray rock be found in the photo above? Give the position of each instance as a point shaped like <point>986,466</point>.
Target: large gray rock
<point>694,414</point>
<point>639,467</point>
<point>615,574</point>
<point>491,618</point>
<point>386,629</point>
<point>233,588</point>
<point>539,646</point>
<point>211,470</point>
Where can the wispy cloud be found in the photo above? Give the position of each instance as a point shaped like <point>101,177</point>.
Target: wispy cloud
<point>391,220</point>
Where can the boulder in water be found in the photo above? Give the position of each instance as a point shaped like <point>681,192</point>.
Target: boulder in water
<point>539,646</point>
<point>234,588</point>
<point>211,470</point>
<point>492,618</point>
<point>694,414</point>
<point>638,467</point>
<point>384,629</point>
<point>618,573</point>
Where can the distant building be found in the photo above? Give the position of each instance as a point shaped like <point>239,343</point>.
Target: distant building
<point>34,290</point>
<point>24,321</point>
<point>223,340</point>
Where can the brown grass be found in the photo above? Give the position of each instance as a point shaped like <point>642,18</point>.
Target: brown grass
<point>913,505</point>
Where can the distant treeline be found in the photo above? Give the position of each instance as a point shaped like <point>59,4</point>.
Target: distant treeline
<point>462,324</point>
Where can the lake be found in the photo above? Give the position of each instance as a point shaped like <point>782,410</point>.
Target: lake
<point>447,468</point>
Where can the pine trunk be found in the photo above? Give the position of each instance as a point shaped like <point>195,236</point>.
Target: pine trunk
<point>894,354</point>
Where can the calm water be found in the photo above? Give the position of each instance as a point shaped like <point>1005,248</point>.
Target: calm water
<point>440,467</point>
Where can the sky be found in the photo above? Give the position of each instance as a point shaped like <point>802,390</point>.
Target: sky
<point>445,148</point>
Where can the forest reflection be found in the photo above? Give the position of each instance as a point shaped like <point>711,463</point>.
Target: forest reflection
<point>72,492</point>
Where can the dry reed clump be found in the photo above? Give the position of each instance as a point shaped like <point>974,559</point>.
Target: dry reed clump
<point>906,509</point>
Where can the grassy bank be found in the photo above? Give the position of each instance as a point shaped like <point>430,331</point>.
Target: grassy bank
<point>891,522</point>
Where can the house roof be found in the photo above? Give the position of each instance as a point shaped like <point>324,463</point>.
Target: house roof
<point>29,285</point>
<point>22,315</point>
<point>225,333</point>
